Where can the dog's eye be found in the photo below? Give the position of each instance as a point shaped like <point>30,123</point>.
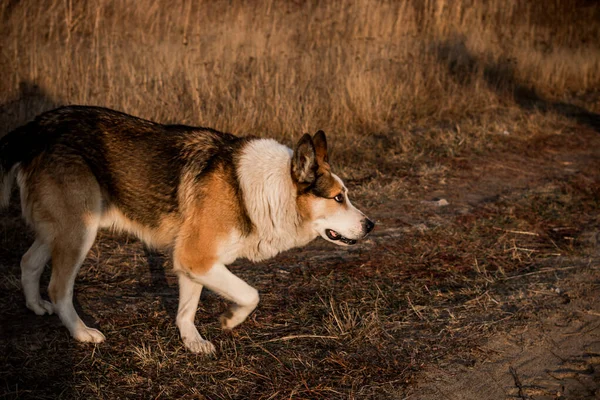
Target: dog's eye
<point>339,198</point>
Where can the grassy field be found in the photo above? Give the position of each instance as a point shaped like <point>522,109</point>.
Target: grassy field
<point>493,105</point>
<point>350,68</point>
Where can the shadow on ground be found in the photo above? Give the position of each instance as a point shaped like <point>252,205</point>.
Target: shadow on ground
<point>501,78</point>
<point>31,100</point>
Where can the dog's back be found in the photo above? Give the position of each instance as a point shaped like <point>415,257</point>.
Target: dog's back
<point>137,163</point>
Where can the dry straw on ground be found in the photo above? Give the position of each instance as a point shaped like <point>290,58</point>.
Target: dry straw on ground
<point>491,104</point>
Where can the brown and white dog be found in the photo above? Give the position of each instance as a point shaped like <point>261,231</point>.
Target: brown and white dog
<point>207,196</point>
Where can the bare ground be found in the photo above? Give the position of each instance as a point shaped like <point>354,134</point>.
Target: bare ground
<point>555,356</point>
<point>494,295</point>
<point>553,350</point>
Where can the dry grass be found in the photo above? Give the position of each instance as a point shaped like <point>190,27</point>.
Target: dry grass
<point>488,103</point>
<point>279,69</point>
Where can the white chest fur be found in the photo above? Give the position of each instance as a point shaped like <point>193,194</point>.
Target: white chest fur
<point>270,199</point>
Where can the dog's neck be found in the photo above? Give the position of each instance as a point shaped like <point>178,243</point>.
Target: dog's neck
<point>270,199</point>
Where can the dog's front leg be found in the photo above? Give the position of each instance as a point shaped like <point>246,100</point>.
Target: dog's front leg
<point>189,295</point>
<point>221,281</point>
<point>245,298</point>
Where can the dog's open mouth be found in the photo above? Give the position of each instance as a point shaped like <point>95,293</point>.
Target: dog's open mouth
<point>333,235</point>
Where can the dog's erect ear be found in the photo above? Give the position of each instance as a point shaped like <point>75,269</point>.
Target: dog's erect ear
<point>321,146</point>
<point>304,162</point>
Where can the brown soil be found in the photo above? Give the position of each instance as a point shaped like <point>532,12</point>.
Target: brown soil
<point>481,281</point>
<point>556,354</point>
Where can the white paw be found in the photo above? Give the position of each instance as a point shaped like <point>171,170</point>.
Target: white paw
<point>227,322</point>
<point>199,345</point>
<point>89,335</point>
<point>193,341</point>
<point>41,307</point>
<point>234,316</point>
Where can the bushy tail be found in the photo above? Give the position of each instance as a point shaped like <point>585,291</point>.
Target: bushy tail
<point>6,182</point>
<point>11,152</point>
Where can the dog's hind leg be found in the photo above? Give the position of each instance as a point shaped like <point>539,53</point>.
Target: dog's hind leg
<point>68,252</point>
<point>189,295</point>
<point>68,206</point>
<point>32,266</point>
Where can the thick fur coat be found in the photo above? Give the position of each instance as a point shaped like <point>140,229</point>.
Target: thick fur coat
<point>208,197</point>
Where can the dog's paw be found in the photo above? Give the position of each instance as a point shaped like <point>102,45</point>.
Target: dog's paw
<point>199,346</point>
<point>193,341</point>
<point>233,317</point>
<point>89,335</point>
<point>227,322</point>
<point>41,307</point>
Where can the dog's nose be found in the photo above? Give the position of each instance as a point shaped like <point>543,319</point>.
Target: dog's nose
<point>368,225</point>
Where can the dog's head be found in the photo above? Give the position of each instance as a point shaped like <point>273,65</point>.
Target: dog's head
<point>322,196</point>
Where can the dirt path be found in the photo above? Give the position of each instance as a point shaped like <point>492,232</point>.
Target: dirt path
<point>554,357</point>
<point>556,354</point>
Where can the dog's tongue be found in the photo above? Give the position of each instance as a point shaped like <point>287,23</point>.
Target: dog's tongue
<point>333,235</point>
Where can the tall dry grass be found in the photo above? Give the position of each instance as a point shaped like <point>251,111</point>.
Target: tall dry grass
<point>352,68</point>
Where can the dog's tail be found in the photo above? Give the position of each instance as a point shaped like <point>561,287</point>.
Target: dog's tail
<point>6,182</point>
<point>8,168</point>
<point>13,147</point>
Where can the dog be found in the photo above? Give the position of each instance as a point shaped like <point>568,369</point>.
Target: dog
<point>206,196</point>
